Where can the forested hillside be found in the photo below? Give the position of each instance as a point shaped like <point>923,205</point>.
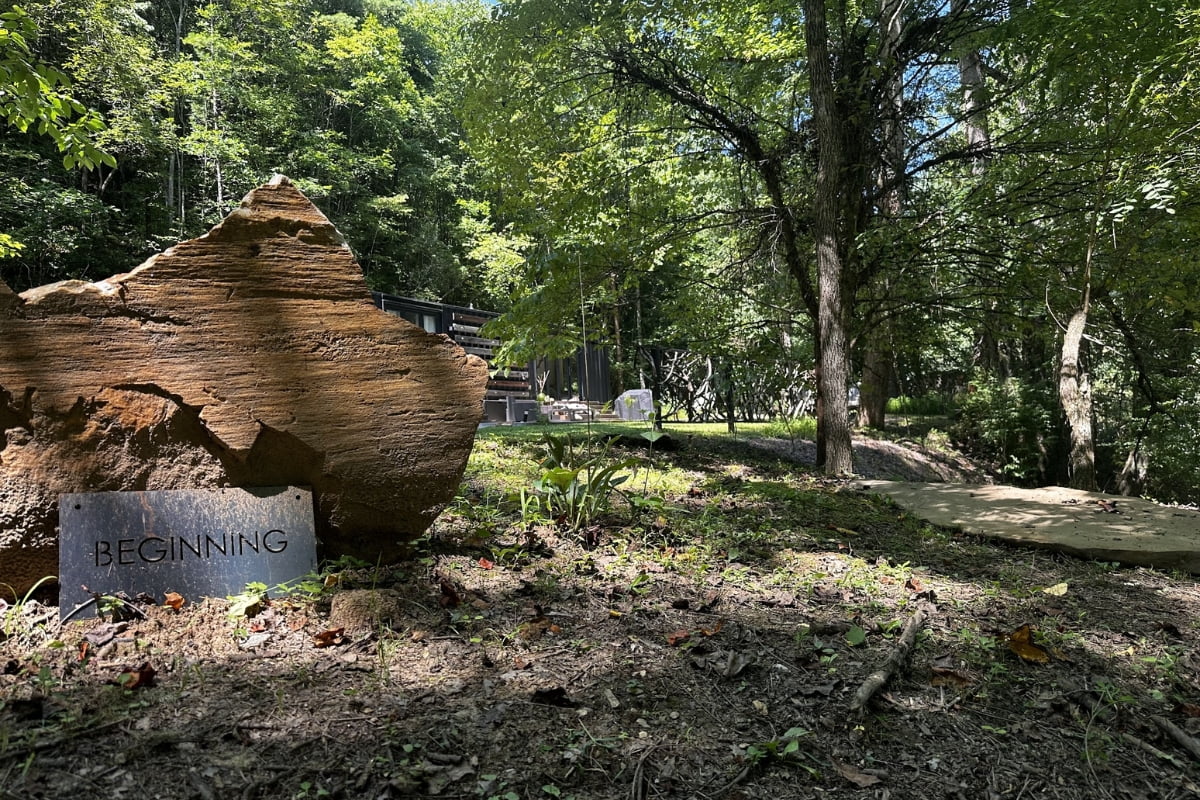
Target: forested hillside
<point>984,206</point>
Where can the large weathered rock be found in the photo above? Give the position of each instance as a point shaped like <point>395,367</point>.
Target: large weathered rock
<point>251,356</point>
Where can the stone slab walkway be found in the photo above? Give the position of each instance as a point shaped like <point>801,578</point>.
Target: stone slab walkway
<point>1135,531</point>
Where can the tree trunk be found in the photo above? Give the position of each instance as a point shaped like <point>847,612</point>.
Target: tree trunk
<point>974,100</point>
<point>876,380</point>
<point>1075,394</point>
<point>834,419</point>
<point>875,388</point>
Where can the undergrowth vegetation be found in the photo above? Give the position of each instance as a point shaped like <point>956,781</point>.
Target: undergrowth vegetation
<point>688,616</point>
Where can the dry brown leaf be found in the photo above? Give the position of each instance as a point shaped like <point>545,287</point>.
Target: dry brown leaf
<point>141,677</point>
<point>943,676</point>
<point>714,630</point>
<point>914,585</point>
<point>1188,710</point>
<point>854,774</point>
<point>678,637</point>
<point>449,598</point>
<point>329,638</point>
<point>485,563</point>
<point>536,628</point>
<point>174,600</point>
<point>1020,642</point>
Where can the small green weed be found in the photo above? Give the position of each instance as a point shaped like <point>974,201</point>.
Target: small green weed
<point>785,748</point>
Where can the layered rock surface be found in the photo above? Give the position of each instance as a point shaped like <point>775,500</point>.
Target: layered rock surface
<point>251,356</point>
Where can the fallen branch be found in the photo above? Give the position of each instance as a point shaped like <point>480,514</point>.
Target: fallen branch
<point>1152,750</point>
<point>1179,735</point>
<point>877,679</point>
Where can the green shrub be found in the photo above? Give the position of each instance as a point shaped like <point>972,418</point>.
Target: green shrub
<point>1011,423</point>
<point>927,405</point>
<point>1173,449</point>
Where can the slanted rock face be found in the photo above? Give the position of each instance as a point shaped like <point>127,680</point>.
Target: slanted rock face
<point>251,356</point>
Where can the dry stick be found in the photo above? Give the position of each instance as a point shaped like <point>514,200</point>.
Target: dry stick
<point>1152,750</point>
<point>1078,695</point>
<point>1181,737</point>
<point>876,680</point>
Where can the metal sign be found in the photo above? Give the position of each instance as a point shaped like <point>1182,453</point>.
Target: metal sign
<point>203,543</point>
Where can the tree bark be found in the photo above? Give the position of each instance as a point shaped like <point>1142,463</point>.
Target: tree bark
<point>1074,386</point>
<point>875,387</point>
<point>1075,394</point>
<point>974,100</point>
<point>834,418</point>
<point>874,390</point>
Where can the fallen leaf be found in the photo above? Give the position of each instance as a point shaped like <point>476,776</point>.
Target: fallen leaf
<point>725,663</point>
<point>254,640</point>
<point>449,598</point>
<point>951,677</point>
<point>296,623</point>
<point>485,564</point>
<point>141,677</point>
<point>678,637</point>
<point>83,650</point>
<point>104,633</point>
<point>536,628</point>
<point>1188,710</point>
<point>856,636</point>
<point>914,585</point>
<point>174,600</point>
<point>1020,642</point>
<point>714,630</point>
<point>853,774</point>
<point>330,638</point>
<point>1057,590</point>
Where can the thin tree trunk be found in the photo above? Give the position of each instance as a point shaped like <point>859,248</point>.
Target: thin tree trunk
<point>1074,386</point>
<point>974,99</point>
<point>1075,394</point>
<point>875,388</point>
<point>876,380</point>
<point>834,419</point>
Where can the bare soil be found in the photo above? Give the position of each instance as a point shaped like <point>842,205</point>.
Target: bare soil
<point>710,650</point>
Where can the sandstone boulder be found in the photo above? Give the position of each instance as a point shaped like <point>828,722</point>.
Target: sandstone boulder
<point>251,356</point>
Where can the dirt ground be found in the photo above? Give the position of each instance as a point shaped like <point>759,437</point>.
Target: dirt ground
<point>713,651</point>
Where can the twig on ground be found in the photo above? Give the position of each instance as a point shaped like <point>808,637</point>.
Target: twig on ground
<point>877,679</point>
<point>1179,735</point>
<point>1152,750</point>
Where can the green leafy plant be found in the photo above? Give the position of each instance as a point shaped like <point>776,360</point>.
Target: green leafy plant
<point>249,602</point>
<point>781,748</point>
<point>575,487</point>
<point>13,613</point>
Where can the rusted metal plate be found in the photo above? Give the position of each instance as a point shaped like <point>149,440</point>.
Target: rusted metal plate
<point>202,543</point>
